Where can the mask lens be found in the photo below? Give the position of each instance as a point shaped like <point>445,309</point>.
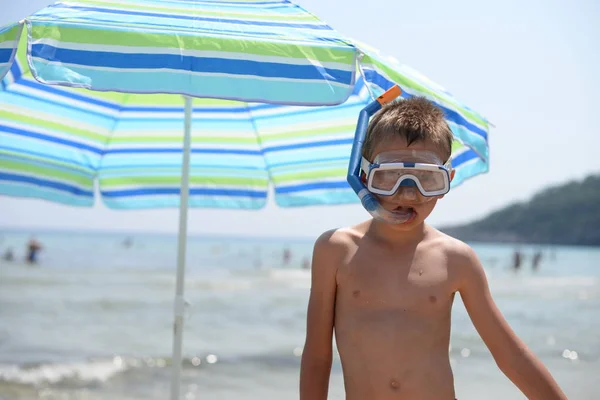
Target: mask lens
<point>386,179</point>
<point>431,181</point>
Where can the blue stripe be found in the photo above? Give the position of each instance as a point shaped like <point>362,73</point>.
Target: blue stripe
<point>46,183</point>
<point>463,158</point>
<point>230,87</point>
<point>198,18</point>
<point>374,77</point>
<point>15,189</point>
<point>193,192</point>
<point>312,186</point>
<point>48,138</point>
<point>5,55</point>
<point>196,151</point>
<point>15,70</point>
<point>332,142</point>
<point>188,63</point>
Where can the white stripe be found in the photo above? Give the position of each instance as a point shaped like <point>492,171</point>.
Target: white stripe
<point>314,127</point>
<point>178,146</point>
<point>9,44</point>
<point>268,144</point>
<point>172,9</point>
<point>57,118</point>
<point>177,133</point>
<point>309,181</point>
<point>70,152</point>
<point>52,98</point>
<point>178,115</point>
<point>197,2</point>
<point>53,133</point>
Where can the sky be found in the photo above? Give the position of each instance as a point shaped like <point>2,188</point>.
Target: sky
<point>529,66</point>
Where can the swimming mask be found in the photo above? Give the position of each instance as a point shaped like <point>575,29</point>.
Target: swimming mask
<point>392,170</point>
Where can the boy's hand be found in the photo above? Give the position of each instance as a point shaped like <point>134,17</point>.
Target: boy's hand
<point>317,354</point>
<point>511,354</point>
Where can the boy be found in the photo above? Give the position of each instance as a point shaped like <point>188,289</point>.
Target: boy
<point>387,289</point>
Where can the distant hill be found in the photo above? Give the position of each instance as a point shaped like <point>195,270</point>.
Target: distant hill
<point>567,214</point>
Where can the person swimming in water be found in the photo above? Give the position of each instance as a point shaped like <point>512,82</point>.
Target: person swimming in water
<point>386,287</point>
<point>33,248</point>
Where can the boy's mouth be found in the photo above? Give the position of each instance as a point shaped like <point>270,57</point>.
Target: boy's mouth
<point>408,211</point>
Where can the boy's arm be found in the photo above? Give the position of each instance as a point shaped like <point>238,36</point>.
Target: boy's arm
<point>317,354</point>
<point>511,354</point>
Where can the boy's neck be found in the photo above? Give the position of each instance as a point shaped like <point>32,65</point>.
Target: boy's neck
<point>390,234</point>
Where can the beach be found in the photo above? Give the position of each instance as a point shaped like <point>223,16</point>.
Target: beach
<point>93,320</point>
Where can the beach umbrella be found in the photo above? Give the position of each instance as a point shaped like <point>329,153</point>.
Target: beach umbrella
<point>258,66</point>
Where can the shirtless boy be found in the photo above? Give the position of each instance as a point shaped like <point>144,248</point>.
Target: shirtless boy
<point>387,289</point>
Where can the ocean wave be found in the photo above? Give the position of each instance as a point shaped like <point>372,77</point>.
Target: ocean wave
<point>99,371</point>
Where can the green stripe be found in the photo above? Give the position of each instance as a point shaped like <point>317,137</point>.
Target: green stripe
<point>456,146</point>
<point>58,164</point>
<point>176,180</point>
<point>47,171</point>
<point>310,132</point>
<point>198,11</point>
<point>10,34</point>
<point>404,81</point>
<point>56,126</point>
<point>84,35</point>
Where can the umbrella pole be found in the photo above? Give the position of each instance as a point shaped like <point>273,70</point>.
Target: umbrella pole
<point>181,249</point>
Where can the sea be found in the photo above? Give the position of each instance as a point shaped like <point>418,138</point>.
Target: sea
<point>94,318</point>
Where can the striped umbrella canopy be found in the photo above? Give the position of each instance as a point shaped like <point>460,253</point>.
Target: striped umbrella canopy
<point>257,64</point>
<point>56,142</point>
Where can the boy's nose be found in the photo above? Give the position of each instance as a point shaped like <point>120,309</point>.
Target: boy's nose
<point>407,193</point>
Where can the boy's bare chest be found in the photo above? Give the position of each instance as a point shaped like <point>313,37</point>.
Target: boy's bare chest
<point>412,282</point>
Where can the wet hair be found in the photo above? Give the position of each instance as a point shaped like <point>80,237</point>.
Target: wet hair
<point>416,119</point>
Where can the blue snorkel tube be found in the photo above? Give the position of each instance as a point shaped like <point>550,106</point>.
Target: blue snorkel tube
<point>368,199</point>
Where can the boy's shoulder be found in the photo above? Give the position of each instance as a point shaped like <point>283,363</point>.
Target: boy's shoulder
<point>339,238</point>
<point>460,257</point>
<point>451,246</point>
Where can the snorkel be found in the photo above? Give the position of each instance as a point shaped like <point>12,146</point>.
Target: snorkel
<point>368,199</point>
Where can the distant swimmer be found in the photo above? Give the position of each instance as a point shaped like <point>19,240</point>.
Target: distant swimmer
<point>287,256</point>
<point>8,255</point>
<point>517,260</point>
<point>128,242</point>
<point>33,248</point>
<point>535,261</point>
<point>305,263</point>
